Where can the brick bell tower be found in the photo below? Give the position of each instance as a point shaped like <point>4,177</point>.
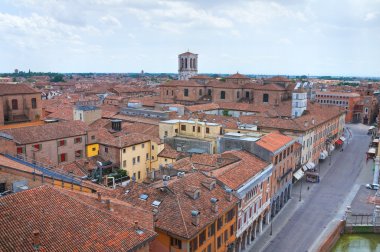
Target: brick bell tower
<point>187,65</point>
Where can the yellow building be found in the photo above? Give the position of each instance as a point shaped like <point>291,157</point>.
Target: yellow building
<point>191,135</point>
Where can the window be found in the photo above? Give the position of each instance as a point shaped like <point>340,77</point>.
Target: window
<point>124,150</point>
<point>78,154</point>
<point>175,243</point>
<point>245,217</point>
<point>20,150</point>
<point>152,147</point>
<point>193,128</point>
<point>222,95</point>
<point>200,92</point>
<point>37,147</point>
<point>209,92</point>
<point>124,163</point>
<point>62,157</point>
<point>138,159</point>
<point>133,148</point>
<point>265,97</point>
<point>239,224</point>
<point>202,238</point>
<point>250,212</point>
<point>207,130</point>
<point>183,127</point>
<point>172,92</point>
<point>225,235</point>
<point>167,92</point>
<point>194,244</point>
<point>61,143</point>
<point>92,137</point>
<point>77,140</point>
<point>14,104</point>
<point>133,161</point>
<point>209,248</point>
<point>237,94</point>
<point>232,230</point>
<point>247,94</point>
<point>152,157</point>
<point>166,133</point>
<point>219,241</point>
<point>186,92</point>
<point>106,149</point>
<point>147,156</point>
<point>138,175</point>
<point>220,223</point>
<point>199,129</point>
<point>34,103</point>
<point>143,146</point>
<point>211,230</point>
<point>230,215</point>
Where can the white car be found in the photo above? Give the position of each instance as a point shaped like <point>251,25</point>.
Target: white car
<point>372,186</point>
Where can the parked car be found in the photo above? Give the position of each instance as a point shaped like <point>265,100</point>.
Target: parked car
<point>372,186</point>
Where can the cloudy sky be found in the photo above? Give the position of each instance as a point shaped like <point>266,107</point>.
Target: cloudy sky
<point>316,37</point>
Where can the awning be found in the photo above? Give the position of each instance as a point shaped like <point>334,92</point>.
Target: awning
<point>376,140</point>
<point>326,153</point>
<point>322,155</point>
<point>371,128</point>
<point>371,151</point>
<point>308,166</point>
<point>342,138</point>
<point>339,142</point>
<point>332,147</point>
<point>298,174</point>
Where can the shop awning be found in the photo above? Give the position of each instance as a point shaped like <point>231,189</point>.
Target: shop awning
<point>371,151</point>
<point>322,155</point>
<point>376,140</point>
<point>342,138</point>
<point>298,174</point>
<point>308,166</point>
<point>339,142</point>
<point>332,147</point>
<point>371,128</point>
<point>326,153</point>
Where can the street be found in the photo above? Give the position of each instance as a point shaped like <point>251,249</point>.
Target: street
<point>300,223</point>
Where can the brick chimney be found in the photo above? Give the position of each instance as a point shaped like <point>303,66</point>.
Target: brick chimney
<point>36,239</point>
<point>136,225</point>
<point>108,203</point>
<point>229,195</point>
<point>195,216</point>
<point>214,204</point>
<point>99,196</point>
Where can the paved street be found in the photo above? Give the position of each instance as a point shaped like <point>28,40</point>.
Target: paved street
<point>300,223</point>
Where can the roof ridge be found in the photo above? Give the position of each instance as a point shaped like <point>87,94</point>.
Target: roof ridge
<point>180,210</point>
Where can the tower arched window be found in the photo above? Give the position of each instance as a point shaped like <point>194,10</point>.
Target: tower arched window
<point>191,63</point>
<point>181,63</point>
<point>185,63</point>
<point>195,63</point>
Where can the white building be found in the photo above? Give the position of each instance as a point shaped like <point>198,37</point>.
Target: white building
<point>187,65</point>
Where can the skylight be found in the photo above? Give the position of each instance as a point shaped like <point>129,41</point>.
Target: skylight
<point>143,196</point>
<point>156,203</point>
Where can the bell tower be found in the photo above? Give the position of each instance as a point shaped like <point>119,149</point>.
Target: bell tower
<point>187,65</point>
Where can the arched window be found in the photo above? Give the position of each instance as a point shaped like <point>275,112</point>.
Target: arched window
<point>200,91</point>
<point>185,63</point>
<point>209,92</point>
<point>34,103</point>
<point>191,63</point>
<point>265,97</point>
<point>14,104</point>
<point>181,63</point>
<point>195,63</point>
<point>167,92</point>
<point>222,95</point>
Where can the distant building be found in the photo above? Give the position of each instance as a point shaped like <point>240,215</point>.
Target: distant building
<point>87,114</point>
<point>19,103</point>
<point>187,65</point>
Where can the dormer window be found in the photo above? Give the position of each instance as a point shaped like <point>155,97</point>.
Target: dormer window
<point>143,196</point>
<point>197,194</point>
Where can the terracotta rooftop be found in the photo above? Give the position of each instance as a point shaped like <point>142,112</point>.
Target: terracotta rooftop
<point>47,132</point>
<point>65,223</point>
<point>11,89</point>
<point>274,141</point>
<point>175,204</point>
<point>169,152</point>
<point>235,175</point>
<point>237,76</point>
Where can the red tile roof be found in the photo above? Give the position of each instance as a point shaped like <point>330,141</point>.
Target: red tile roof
<point>12,89</point>
<point>65,223</point>
<point>274,141</point>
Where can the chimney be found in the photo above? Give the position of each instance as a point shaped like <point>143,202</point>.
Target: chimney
<point>229,195</point>
<point>214,204</point>
<point>136,225</point>
<point>36,239</point>
<point>155,215</point>
<point>99,196</point>
<point>195,216</point>
<point>108,202</point>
